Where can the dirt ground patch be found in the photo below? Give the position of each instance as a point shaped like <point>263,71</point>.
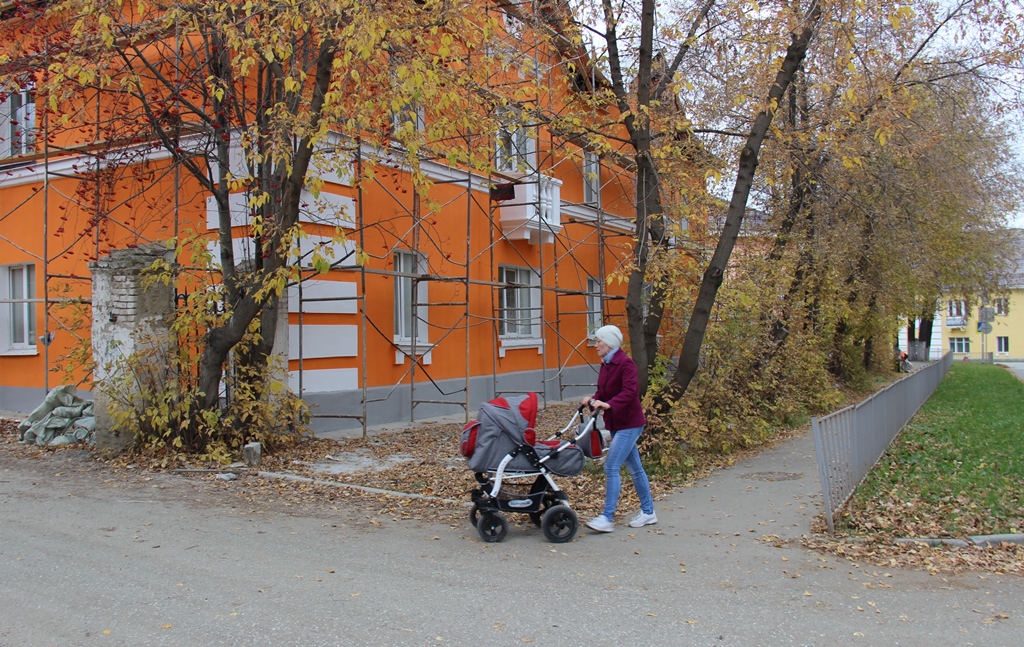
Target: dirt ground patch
<point>421,460</point>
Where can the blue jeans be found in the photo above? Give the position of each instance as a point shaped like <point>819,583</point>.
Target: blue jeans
<point>623,451</point>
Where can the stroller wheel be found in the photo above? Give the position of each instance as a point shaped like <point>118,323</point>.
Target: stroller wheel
<point>492,526</point>
<point>560,524</point>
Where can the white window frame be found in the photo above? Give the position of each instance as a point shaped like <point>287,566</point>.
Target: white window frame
<point>519,315</point>
<point>18,320</point>
<point>592,179</point>
<point>1001,306</point>
<point>408,263</point>
<point>957,308</point>
<point>514,148</point>
<point>408,113</point>
<point>1003,345</point>
<point>514,27</point>
<point>18,123</point>
<point>594,309</point>
<point>960,345</point>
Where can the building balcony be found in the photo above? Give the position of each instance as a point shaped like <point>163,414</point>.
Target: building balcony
<point>956,322</point>
<point>534,214</point>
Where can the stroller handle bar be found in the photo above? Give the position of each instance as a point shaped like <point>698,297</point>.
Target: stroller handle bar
<point>500,470</point>
<point>579,414</point>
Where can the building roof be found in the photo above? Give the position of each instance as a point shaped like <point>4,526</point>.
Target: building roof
<point>1014,278</point>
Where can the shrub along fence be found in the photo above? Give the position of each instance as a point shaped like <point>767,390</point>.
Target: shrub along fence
<point>850,441</point>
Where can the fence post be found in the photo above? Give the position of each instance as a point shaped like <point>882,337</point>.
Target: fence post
<point>825,489</point>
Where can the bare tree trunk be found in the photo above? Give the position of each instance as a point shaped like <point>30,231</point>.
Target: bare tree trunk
<point>925,331</point>
<point>644,316</point>
<point>221,340</point>
<point>713,276</point>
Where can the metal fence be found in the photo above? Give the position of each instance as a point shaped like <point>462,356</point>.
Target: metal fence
<point>850,441</point>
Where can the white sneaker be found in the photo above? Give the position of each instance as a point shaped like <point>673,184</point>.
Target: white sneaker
<point>643,519</point>
<point>600,523</point>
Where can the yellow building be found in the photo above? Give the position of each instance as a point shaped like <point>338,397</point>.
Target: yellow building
<point>964,329</point>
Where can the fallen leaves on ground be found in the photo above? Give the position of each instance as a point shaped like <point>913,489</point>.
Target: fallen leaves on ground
<point>883,550</point>
<point>437,472</point>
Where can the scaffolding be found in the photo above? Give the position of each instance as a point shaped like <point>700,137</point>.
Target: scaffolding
<point>556,252</point>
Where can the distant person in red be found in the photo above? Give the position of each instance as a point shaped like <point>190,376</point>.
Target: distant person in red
<point>618,395</point>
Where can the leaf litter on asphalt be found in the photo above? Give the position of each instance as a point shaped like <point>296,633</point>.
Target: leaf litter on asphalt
<point>436,473</point>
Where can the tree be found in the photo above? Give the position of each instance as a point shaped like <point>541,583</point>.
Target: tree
<point>902,172</point>
<point>260,99</point>
<point>743,65</point>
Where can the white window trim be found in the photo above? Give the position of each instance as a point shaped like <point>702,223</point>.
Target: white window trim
<point>513,26</point>
<point>592,179</point>
<point>957,308</point>
<point>405,115</point>
<point>534,339</point>
<point>424,351</point>
<point>403,343</point>
<point>515,343</point>
<point>595,315</point>
<point>24,114</point>
<point>523,159</point>
<point>960,345</point>
<point>999,343</point>
<point>7,312</point>
<point>1001,307</point>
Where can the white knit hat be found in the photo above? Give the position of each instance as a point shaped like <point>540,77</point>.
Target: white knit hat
<point>610,335</point>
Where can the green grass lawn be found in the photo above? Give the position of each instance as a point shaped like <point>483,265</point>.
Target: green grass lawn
<point>957,469</point>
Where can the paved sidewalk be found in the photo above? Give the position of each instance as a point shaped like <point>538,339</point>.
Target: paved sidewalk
<point>745,581</point>
<point>154,562</point>
<point>776,492</point>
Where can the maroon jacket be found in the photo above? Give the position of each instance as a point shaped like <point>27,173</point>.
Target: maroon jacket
<point>617,385</point>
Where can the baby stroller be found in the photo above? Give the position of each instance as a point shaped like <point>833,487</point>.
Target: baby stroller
<point>514,470</point>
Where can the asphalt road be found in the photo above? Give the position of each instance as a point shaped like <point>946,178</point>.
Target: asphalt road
<point>86,559</point>
<point>1016,367</point>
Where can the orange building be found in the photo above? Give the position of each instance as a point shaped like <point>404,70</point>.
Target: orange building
<point>488,284</point>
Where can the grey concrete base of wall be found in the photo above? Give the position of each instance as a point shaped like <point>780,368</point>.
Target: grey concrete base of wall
<point>385,405</point>
<point>389,405</point>
<point>23,400</point>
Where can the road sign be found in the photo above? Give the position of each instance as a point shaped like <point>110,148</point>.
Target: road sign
<point>984,327</point>
<point>986,315</point>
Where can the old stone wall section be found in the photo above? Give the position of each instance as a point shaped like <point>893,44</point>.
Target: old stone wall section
<point>128,316</point>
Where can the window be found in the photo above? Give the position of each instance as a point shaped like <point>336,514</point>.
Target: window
<point>1001,306</point>
<point>407,120</point>
<point>591,178</point>
<point>513,26</point>
<point>593,306</point>
<point>513,144</point>
<point>18,322</point>
<point>518,303</point>
<point>410,263</point>
<point>1002,344</point>
<point>960,345</point>
<point>957,308</point>
<point>17,123</point>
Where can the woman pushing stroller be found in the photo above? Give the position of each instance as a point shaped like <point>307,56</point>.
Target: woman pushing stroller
<point>618,396</point>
